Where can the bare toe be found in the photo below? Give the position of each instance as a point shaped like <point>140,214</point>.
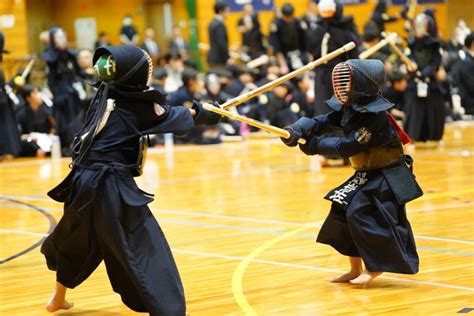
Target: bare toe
<point>346,277</point>
<point>53,306</point>
<point>365,278</point>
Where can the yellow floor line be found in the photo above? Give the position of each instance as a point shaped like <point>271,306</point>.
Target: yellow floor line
<point>238,275</point>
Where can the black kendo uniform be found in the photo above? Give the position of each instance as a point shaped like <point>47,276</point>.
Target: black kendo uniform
<point>425,115</point>
<point>331,34</point>
<point>30,121</point>
<point>371,32</point>
<point>299,99</point>
<point>219,51</point>
<point>464,75</point>
<point>183,96</point>
<point>106,216</point>
<point>10,143</point>
<point>226,126</point>
<point>128,31</point>
<point>253,38</point>
<point>380,16</point>
<point>392,95</point>
<point>367,217</point>
<point>63,72</point>
<point>290,40</point>
<point>279,111</point>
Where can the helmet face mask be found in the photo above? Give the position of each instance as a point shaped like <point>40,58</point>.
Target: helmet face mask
<point>357,84</point>
<point>150,67</point>
<point>342,82</point>
<point>421,23</point>
<point>59,39</point>
<point>327,8</point>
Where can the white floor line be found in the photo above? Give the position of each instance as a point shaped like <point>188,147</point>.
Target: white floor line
<point>321,269</point>
<point>274,263</point>
<point>21,232</point>
<point>264,221</point>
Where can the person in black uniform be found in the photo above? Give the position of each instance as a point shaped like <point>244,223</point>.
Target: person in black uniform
<point>333,31</point>
<point>185,95</point>
<point>299,99</point>
<point>159,79</point>
<point>380,16</point>
<point>310,17</point>
<point>188,92</point>
<point>106,216</point>
<point>63,80</point>
<point>370,38</point>
<point>128,32</point>
<point>425,113</point>
<point>367,220</point>
<point>34,117</point>
<point>10,144</point>
<point>465,76</point>
<point>276,106</point>
<point>395,93</point>
<point>288,41</point>
<point>219,52</point>
<point>252,37</point>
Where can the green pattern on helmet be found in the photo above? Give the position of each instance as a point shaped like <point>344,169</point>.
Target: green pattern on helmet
<point>105,67</point>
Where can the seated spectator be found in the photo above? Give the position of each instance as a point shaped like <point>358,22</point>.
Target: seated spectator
<point>272,72</point>
<point>279,111</point>
<point>224,77</point>
<point>174,68</point>
<point>102,40</point>
<point>299,101</point>
<point>185,95</point>
<point>35,123</point>
<point>244,81</point>
<point>394,92</point>
<point>159,79</point>
<point>214,94</point>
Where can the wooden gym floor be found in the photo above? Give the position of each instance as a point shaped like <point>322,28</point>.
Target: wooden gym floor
<point>241,219</point>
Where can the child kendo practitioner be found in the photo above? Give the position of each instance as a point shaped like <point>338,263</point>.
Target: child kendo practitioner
<point>106,216</point>
<point>367,221</point>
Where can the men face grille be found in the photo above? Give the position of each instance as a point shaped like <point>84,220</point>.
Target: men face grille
<point>150,68</point>
<point>342,82</point>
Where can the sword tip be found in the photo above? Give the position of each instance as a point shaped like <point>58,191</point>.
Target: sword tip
<point>349,46</point>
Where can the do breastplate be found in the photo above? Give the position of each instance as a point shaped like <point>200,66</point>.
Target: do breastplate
<point>378,157</point>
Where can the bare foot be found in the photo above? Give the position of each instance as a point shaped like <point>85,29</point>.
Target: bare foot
<point>346,277</point>
<point>55,304</point>
<point>365,277</point>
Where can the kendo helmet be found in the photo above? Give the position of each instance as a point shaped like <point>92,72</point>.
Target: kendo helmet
<point>58,38</point>
<point>357,83</point>
<point>127,70</point>
<point>423,23</point>
<point>287,9</point>
<point>327,8</point>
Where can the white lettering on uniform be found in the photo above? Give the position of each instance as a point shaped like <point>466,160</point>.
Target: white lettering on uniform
<point>339,195</point>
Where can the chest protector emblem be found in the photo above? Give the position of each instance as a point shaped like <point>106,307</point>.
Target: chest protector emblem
<point>363,135</point>
<point>159,110</point>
